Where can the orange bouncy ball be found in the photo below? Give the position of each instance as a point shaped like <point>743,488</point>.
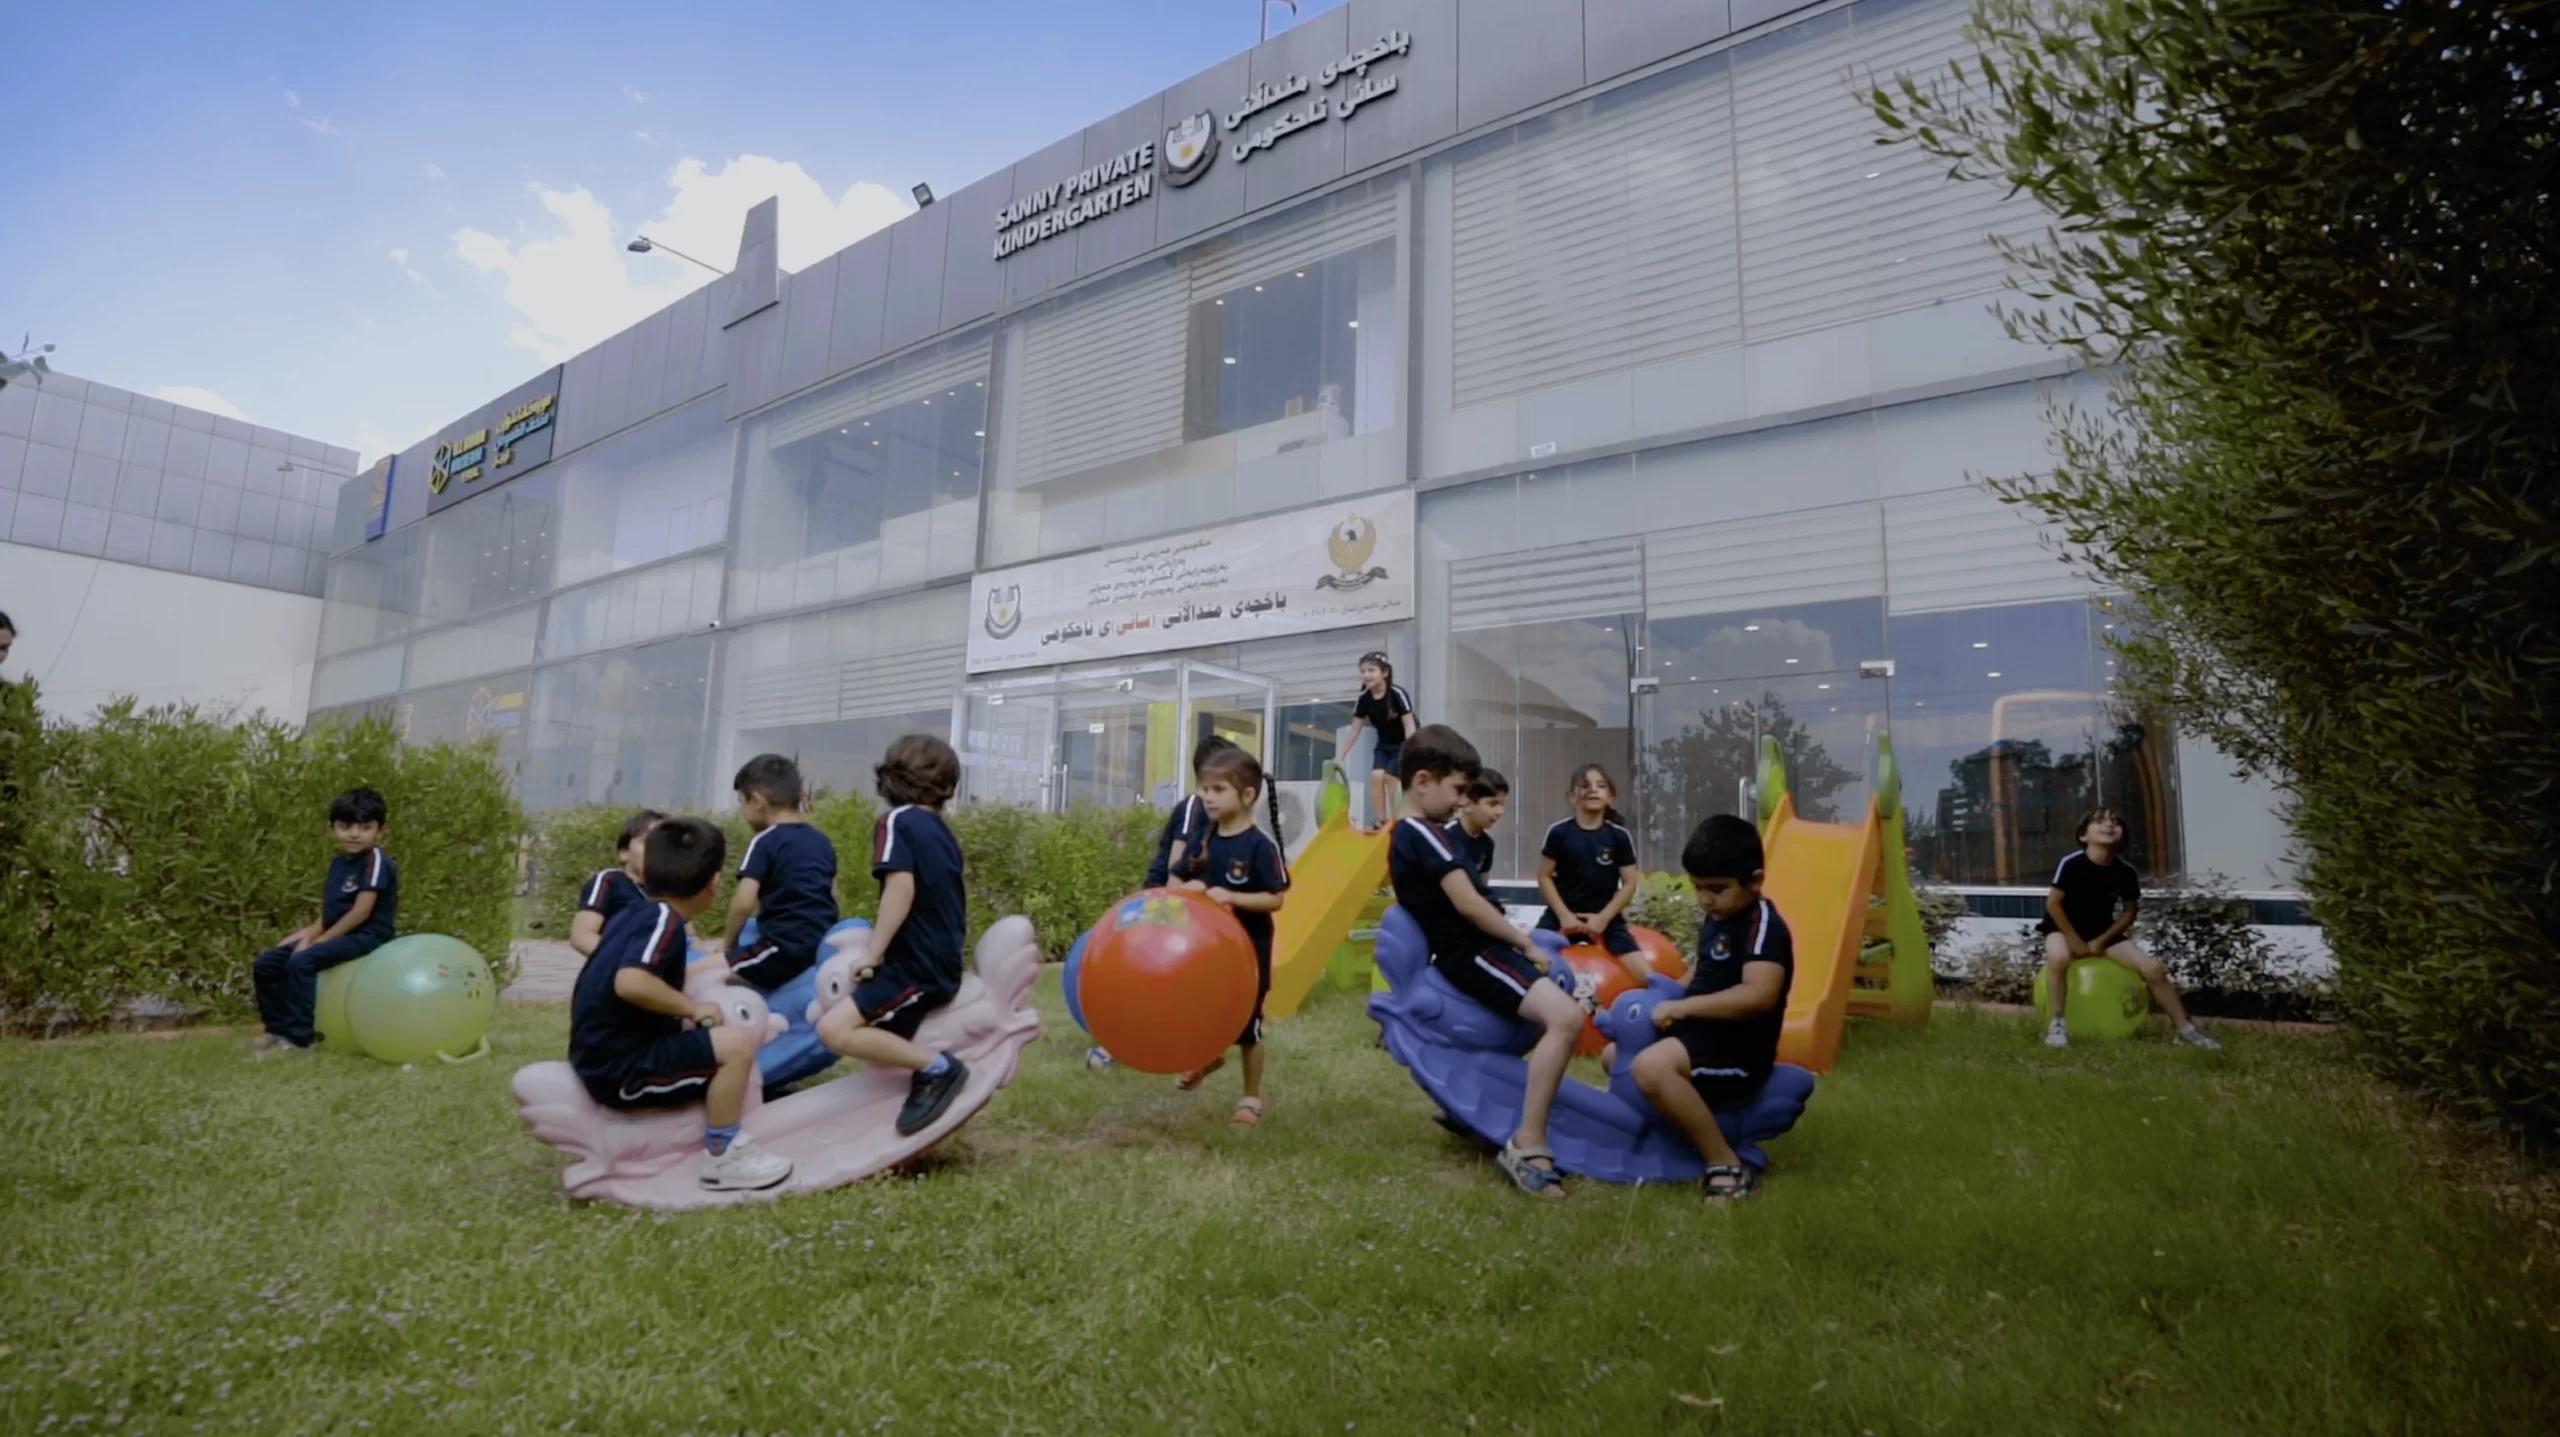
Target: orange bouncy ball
<point>1167,981</point>
<point>1604,966</point>
<point>1664,954</point>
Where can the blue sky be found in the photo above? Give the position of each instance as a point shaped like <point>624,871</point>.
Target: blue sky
<point>356,221</point>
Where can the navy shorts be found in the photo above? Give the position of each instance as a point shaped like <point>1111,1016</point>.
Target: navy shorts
<point>897,1002</point>
<point>768,966</point>
<point>1495,977</point>
<point>1722,1067</point>
<point>1389,758</point>
<point>1616,937</point>
<point>670,1072</point>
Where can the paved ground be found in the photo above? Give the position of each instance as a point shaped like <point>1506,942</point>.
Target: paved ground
<point>545,972</point>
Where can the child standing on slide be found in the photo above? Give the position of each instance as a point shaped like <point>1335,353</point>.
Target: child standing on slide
<point>917,942</point>
<point>638,1042</point>
<point>1389,710</point>
<point>613,889</point>
<point>1238,867</point>
<point>1474,946</point>
<point>2088,912</point>
<point>1587,872</point>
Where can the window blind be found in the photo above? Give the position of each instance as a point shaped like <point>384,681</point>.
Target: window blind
<point>1962,548</point>
<point>1807,143</point>
<point>1568,581</point>
<point>922,377</point>
<point>1603,243</point>
<point>1811,556</point>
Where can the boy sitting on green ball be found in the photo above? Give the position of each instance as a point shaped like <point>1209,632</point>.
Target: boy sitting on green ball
<point>359,902</point>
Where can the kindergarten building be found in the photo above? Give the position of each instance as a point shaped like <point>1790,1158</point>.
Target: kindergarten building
<point>1587,357</point>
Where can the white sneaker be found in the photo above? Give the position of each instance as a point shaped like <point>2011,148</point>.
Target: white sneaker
<point>2195,1037</point>
<point>1096,1059</point>
<point>2057,1036</point>
<point>743,1168</point>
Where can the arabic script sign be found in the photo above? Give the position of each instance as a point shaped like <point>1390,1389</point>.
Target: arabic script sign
<point>1347,84</point>
<point>1336,566</point>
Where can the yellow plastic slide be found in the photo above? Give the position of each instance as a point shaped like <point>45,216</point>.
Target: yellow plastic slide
<point>1846,896</point>
<point>1328,886</point>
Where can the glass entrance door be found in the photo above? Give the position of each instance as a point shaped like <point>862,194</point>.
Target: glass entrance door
<point>1112,736</point>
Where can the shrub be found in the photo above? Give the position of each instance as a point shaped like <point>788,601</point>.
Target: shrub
<point>153,852</point>
<point>2224,967</point>
<point>1667,903</point>
<point>2312,247</point>
<point>1941,909</point>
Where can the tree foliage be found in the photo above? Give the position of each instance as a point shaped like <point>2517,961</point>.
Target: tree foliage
<point>2313,246</point>
<point>1696,771</point>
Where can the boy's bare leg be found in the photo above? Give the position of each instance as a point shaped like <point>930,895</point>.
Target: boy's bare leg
<point>726,1101</point>
<point>2155,976</point>
<point>1662,1074</point>
<point>2057,966</point>
<point>1552,1009</point>
<point>841,1028</point>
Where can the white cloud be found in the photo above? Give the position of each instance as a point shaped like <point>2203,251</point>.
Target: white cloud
<point>204,399</point>
<point>318,124</point>
<point>400,257</point>
<point>434,171</point>
<point>577,286</point>
<point>638,97</point>
<point>643,137</point>
<point>292,101</point>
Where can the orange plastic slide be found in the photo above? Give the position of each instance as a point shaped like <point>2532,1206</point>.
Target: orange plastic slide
<point>1331,881</point>
<point>1820,875</point>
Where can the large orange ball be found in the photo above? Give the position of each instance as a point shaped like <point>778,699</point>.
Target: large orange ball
<point>1665,955</point>
<point>1604,966</point>
<point>1168,981</point>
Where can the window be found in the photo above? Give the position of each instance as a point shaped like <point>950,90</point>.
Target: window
<point>484,711</point>
<point>491,551</point>
<point>833,689</point>
<point>1255,372</point>
<point>669,599</point>
<point>372,593</point>
<point>651,493</point>
<point>619,728</point>
<point>867,485</point>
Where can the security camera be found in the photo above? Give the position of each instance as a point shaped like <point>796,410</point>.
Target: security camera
<point>715,623</point>
<point>1875,668</point>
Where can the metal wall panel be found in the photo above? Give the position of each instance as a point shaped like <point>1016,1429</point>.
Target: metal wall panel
<point>916,248</point>
<point>862,299</point>
<point>1623,35</point>
<point>1102,243</point>
<point>1515,54</point>
<point>972,281</point>
<point>808,315</point>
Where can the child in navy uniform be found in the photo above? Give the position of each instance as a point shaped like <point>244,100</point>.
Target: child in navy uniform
<point>1239,867</point>
<point>638,1042</point>
<point>786,879</point>
<point>611,890</point>
<point>359,905</point>
<point>2089,913</point>
<point>1487,797</point>
<point>1474,946</point>
<point>1587,872</point>
<point>1722,1037</point>
<point>1389,710</point>
<point>916,943</point>
<point>1182,832</point>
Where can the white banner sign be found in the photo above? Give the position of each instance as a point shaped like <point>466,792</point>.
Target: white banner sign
<point>1302,572</point>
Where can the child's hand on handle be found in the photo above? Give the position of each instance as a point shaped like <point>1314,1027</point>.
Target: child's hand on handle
<point>1666,1014</point>
<point>1188,885</point>
<point>706,1015</point>
<point>1224,898</point>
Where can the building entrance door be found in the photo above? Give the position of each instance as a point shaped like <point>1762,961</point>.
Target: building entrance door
<point>1113,736</point>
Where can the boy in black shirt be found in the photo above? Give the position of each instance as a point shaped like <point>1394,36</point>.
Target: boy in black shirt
<point>1722,1036</point>
<point>359,904</point>
<point>1473,946</point>
<point>2087,913</point>
<point>786,879</point>
<point>917,941</point>
<point>1487,797</point>
<point>639,1043</point>
<point>1239,867</point>
<point>611,890</point>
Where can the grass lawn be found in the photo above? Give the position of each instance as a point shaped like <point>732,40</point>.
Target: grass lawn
<point>1968,1234</point>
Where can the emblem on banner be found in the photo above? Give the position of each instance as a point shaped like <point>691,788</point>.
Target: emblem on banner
<point>1189,147</point>
<point>1350,546</point>
<point>440,471</point>
<point>1004,611</point>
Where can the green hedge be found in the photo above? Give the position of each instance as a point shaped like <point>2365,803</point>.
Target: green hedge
<point>1059,870</point>
<point>154,852</point>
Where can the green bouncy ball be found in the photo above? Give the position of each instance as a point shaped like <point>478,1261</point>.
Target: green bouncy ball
<point>420,997</point>
<point>2101,998</point>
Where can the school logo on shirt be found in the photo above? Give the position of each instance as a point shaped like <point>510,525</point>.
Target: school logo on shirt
<point>1189,148</point>
<point>350,885</point>
<point>1237,872</point>
<point>1723,951</point>
<point>1004,611</point>
<point>1350,545</point>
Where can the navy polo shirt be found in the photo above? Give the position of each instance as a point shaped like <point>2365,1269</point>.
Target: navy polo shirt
<point>1184,823</point>
<point>1247,862</point>
<point>1725,947</point>
<point>1588,862</point>
<point>1418,857</point>
<point>371,871</point>
<point>605,1028</point>
<point>795,872</point>
<point>609,892</point>
<point>930,945</point>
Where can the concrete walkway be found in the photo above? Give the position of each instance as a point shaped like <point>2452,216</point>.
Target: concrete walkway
<point>545,972</point>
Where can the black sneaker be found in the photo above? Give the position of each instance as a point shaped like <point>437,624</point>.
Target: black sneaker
<point>929,1095</point>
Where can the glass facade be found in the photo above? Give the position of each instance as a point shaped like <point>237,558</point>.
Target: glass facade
<point>1696,384</point>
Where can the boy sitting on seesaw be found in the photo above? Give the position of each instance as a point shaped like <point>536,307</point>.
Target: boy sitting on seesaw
<point>639,1043</point>
<point>611,890</point>
<point>1473,945</point>
<point>786,879</point>
<point>917,941</point>
<point>1722,1036</point>
<point>1487,797</point>
<point>359,902</point>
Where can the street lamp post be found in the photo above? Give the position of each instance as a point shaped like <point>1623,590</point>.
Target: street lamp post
<point>642,244</point>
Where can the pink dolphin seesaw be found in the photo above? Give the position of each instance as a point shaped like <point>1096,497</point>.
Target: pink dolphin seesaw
<point>834,1133</point>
